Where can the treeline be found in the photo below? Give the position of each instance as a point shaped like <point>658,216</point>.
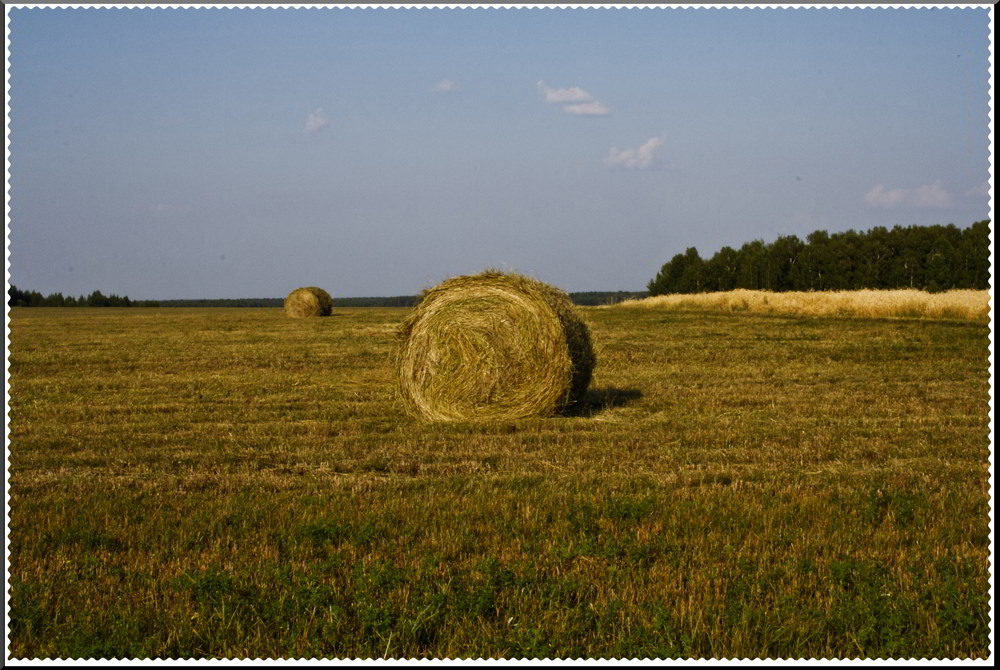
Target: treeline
<point>580,298</point>
<point>605,297</point>
<point>19,298</point>
<point>214,302</point>
<point>392,301</point>
<point>932,258</point>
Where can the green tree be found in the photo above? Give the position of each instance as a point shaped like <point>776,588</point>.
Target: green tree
<point>97,299</point>
<point>16,297</point>
<point>692,276</point>
<point>784,253</point>
<point>874,256</point>
<point>55,300</point>
<point>720,270</point>
<point>941,265</point>
<point>932,257</point>
<point>842,260</point>
<point>818,260</point>
<point>974,250</point>
<point>751,265</point>
<point>668,278</point>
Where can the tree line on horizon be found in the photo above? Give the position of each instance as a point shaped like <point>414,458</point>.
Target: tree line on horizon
<point>932,258</point>
<point>19,298</point>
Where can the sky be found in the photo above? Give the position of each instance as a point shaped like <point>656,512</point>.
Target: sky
<point>241,153</point>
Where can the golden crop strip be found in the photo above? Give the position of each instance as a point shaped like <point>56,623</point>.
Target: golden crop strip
<point>901,303</point>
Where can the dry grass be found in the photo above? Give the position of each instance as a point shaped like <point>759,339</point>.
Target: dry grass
<point>308,301</point>
<point>493,346</point>
<point>214,483</point>
<point>902,303</point>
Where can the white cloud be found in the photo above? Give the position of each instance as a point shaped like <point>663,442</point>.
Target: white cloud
<point>983,190</point>
<point>574,100</point>
<point>445,86</point>
<point>592,108</point>
<point>930,195</point>
<point>316,122</point>
<point>927,196</point>
<point>562,95</point>
<point>879,197</point>
<point>639,158</point>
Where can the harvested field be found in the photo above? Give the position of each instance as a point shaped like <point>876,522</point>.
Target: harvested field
<point>234,483</point>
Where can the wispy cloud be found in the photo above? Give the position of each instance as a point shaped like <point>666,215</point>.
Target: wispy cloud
<point>983,190</point>
<point>445,86</point>
<point>574,100</point>
<point>880,197</point>
<point>592,108</point>
<point>927,196</point>
<point>636,159</point>
<point>561,95</point>
<point>316,122</point>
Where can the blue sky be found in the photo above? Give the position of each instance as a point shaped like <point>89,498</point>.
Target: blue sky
<point>225,153</point>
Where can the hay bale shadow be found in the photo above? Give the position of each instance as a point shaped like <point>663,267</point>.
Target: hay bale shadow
<point>598,400</point>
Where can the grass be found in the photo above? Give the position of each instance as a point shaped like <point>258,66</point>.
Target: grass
<point>898,303</point>
<point>234,483</point>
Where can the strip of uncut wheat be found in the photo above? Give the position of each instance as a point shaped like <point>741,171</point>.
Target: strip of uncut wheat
<point>899,303</point>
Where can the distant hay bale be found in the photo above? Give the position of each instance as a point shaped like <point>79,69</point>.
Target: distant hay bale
<point>308,301</point>
<point>493,346</point>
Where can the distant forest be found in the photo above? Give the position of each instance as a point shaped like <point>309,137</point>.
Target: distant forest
<point>392,301</point>
<point>19,298</point>
<point>933,258</point>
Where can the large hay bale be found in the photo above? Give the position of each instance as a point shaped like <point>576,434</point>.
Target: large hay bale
<point>493,346</point>
<point>308,301</point>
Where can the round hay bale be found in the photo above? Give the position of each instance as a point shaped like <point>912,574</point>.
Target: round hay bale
<point>308,301</point>
<point>493,346</point>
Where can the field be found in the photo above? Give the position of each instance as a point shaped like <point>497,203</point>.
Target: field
<point>899,303</point>
<point>235,483</point>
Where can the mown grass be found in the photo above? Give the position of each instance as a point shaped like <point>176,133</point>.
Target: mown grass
<point>234,483</point>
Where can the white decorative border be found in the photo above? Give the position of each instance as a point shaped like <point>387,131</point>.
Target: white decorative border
<point>981,4</point>
<point>480,661</point>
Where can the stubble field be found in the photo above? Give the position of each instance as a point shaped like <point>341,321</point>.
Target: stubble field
<point>235,483</point>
